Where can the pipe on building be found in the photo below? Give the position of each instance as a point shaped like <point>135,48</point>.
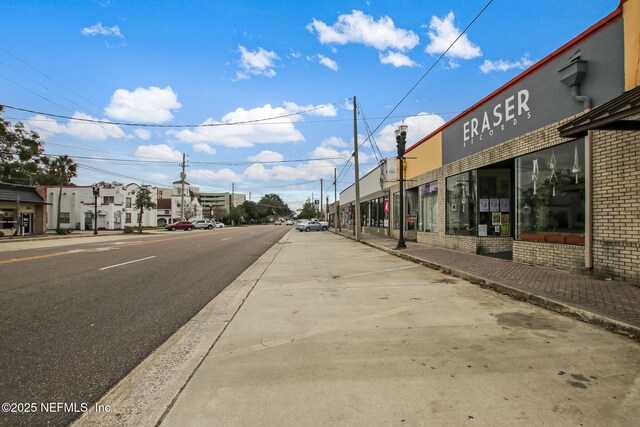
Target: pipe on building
<point>588,182</point>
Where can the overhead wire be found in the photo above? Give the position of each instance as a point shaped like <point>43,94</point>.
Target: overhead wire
<point>253,121</point>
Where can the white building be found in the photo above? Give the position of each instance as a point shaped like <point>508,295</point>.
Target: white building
<point>115,207</point>
<point>170,208</point>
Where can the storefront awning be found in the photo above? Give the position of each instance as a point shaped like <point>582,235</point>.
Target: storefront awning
<point>612,115</point>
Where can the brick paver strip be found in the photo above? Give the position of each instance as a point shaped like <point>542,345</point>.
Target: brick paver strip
<point>612,304</point>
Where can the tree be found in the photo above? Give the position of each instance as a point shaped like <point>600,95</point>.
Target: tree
<point>189,212</point>
<point>61,171</point>
<point>252,210</point>
<point>143,201</point>
<point>22,159</point>
<point>237,214</point>
<point>272,204</point>
<point>308,210</point>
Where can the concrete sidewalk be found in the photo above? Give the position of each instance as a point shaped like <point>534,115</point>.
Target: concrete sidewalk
<point>322,330</point>
<point>613,305</point>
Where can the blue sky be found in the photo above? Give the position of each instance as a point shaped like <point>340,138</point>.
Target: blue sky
<point>215,63</point>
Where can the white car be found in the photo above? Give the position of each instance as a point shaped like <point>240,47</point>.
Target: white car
<point>289,222</point>
<point>203,224</point>
<point>219,225</point>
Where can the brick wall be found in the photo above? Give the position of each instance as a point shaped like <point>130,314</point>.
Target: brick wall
<point>563,257</point>
<point>616,205</point>
<point>616,213</point>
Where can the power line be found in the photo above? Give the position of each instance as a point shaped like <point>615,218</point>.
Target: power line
<point>104,122</point>
<point>433,65</point>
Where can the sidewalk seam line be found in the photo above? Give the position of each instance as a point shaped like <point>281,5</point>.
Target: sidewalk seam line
<point>175,398</point>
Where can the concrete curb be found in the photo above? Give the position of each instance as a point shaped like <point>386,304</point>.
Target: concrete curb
<point>607,323</point>
<point>145,395</point>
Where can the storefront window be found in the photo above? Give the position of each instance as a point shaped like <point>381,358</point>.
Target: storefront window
<point>494,202</point>
<point>411,211</point>
<point>428,215</point>
<point>550,195</point>
<point>8,221</point>
<point>461,204</point>
<point>374,213</point>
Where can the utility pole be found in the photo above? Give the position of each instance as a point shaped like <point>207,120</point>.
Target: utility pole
<point>233,194</point>
<point>321,207</point>
<point>183,176</point>
<point>356,222</point>
<point>336,222</point>
<point>327,205</point>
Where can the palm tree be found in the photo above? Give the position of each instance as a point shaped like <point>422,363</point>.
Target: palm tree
<point>62,170</point>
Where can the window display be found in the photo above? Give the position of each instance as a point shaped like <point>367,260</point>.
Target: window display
<point>461,204</point>
<point>428,214</point>
<point>494,196</point>
<point>550,195</point>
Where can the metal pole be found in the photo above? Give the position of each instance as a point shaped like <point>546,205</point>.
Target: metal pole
<point>96,192</point>
<point>401,138</point>
<point>183,176</point>
<point>356,222</point>
<point>321,195</point>
<point>336,223</point>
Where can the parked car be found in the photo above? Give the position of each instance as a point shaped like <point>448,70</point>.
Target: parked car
<point>277,222</point>
<point>311,225</point>
<point>180,225</point>
<point>289,222</point>
<point>219,225</point>
<point>204,223</point>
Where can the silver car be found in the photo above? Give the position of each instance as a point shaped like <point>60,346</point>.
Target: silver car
<point>203,224</point>
<point>311,225</point>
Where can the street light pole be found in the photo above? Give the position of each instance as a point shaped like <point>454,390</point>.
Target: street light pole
<point>401,140</point>
<point>96,193</point>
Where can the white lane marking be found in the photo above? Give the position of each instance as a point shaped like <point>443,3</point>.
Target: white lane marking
<point>228,238</point>
<point>128,262</point>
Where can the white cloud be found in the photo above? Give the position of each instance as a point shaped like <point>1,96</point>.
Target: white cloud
<point>100,30</point>
<point>334,141</point>
<point>46,126</point>
<point>443,32</point>
<point>322,110</point>
<point>280,130</point>
<point>328,62</point>
<point>159,176</point>
<point>363,29</point>
<point>158,152</point>
<point>202,147</point>
<point>266,156</point>
<point>307,171</point>
<point>258,63</point>
<point>211,175</point>
<point>142,134</point>
<point>502,65</point>
<point>258,172</point>
<point>151,105</point>
<point>396,59</point>
<point>419,127</point>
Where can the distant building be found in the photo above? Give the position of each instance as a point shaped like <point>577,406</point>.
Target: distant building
<point>217,205</point>
<point>22,210</point>
<point>115,207</point>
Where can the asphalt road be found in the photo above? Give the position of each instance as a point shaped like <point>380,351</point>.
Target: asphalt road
<point>74,320</point>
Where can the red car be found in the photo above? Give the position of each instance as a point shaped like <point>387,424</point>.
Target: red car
<point>180,225</point>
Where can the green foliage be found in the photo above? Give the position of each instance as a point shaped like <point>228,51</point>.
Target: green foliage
<point>308,211</point>
<point>143,201</point>
<point>22,159</point>
<point>252,211</point>
<point>127,230</point>
<point>273,205</point>
<point>237,215</point>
